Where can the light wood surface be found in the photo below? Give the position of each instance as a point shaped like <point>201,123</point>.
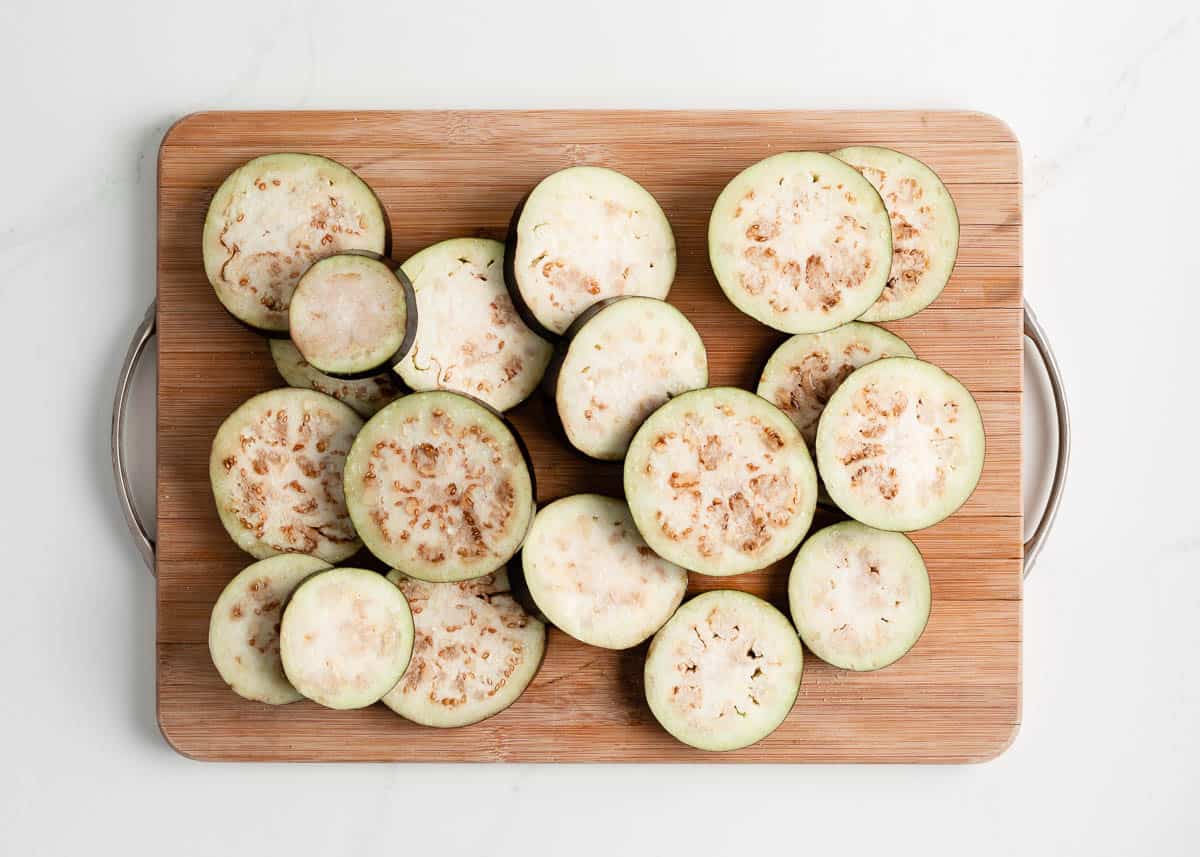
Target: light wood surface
<point>955,697</point>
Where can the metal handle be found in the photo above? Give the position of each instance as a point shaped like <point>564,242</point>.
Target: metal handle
<point>1041,342</point>
<point>137,347</point>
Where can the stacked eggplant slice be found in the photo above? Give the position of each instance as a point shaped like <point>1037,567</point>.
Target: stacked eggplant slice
<point>437,485</point>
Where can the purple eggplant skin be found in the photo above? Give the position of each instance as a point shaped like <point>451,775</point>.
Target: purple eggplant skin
<point>510,277</point>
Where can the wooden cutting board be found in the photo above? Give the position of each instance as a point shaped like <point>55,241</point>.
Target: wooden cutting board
<point>955,697</point>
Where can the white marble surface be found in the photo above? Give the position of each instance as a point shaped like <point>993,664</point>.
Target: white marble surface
<point>1104,102</point>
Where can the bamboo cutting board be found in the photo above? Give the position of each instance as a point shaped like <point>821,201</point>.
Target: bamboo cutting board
<point>955,697</point>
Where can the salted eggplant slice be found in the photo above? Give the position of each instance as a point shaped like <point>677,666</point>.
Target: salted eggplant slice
<point>365,395</point>
<point>582,235</point>
<point>725,671</point>
<point>720,482</point>
<point>924,229</point>
<point>623,359</point>
<point>439,487</point>
<point>346,637</point>
<point>859,596</point>
<point>352,315</point>
<point>804,371</point>
<point>476,650</point>
<point>900,444</point>
<point>801,242</point>
<point>593,575</point>
<point>274,216</point>
<point>470,340</point>
<point>276,473</point>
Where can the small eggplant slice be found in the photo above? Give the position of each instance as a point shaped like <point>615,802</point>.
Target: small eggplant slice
<point>439,487</point>
<point>476,650</point>
<point>366,395</point>
<point>924,229</point>
<point>582,235</point>
<point>724,672</point>
<point>470,340</point>
<point>346,637</point>
<point>352,315</point>
<point>272,218</point>
<point>276,472</point>
<point>801,242</point>
<point>900,445</point>
<point>593,576</point>
<point>624,359</point>
<point>720,482</point>
<point>859,596</point>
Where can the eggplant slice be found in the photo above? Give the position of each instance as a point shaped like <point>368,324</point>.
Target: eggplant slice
<point>272,218</point>
<point>724,672</point>
<point>805,370</point>
<point>470,340</point>
<point>582,235</point>
<point>924,229</point>
<point>859,596</point>
<point>720,482</point>
<point>439,487</point>
<point>276,472</point>
<point>243,631</point>
<point>476,650</point>
<point>352,316</point>
<point>801,242</point>
<point>625,358</point>
<point>900,445</point>
<point>593,576</point>
<point>346,637</point>
<point>366,395</point>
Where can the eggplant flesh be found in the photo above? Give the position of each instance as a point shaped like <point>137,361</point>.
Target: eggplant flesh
<point>365,395</point>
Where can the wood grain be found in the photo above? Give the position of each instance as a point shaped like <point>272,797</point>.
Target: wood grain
<point>956,697</point>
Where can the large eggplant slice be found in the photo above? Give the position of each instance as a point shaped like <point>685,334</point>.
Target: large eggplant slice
<point>900,445</point>
<point>720,482</point>
<point>272,218</point>
<point>476,650</point>
<point>582,235</point>
<point>724,672</point>
<point>805,370</point>
<point>859,596</point>
<point>624,358</point>
<point>924,229</point>
<point>366,395</point>
<point>352,315</point>
<point>471,340</point>
<point>276,471</point>
<point>439,487</point>
<point>243,631</point>
<point>801,242</point>
<point>346,637</point>
<point>592,575</point>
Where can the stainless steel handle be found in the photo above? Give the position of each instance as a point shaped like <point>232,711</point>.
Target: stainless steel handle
<point>137,347</point>
<point>1037,335</point>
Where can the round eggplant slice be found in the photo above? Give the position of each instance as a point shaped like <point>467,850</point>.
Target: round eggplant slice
<point>366,395</point>
<point>439,488</point>
<point>594,577</point>
<point>859,596</point>
<point>924,229</point>
<point>346,637</point>
<point>476,651</point>
<point>351,315</point>
<point>243,632</point>
<point>582,235</point>
<point>900,445</point>
<point>272,218</point>
<point>801,242</point>
<point>720,482</point>
<point>276,471</point>
<point>626,358</point>
<point>471,340</point>
<point>805,370</point>
<point>724,672</point>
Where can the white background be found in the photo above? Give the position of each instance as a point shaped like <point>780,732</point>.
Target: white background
<point>1105,104</point>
